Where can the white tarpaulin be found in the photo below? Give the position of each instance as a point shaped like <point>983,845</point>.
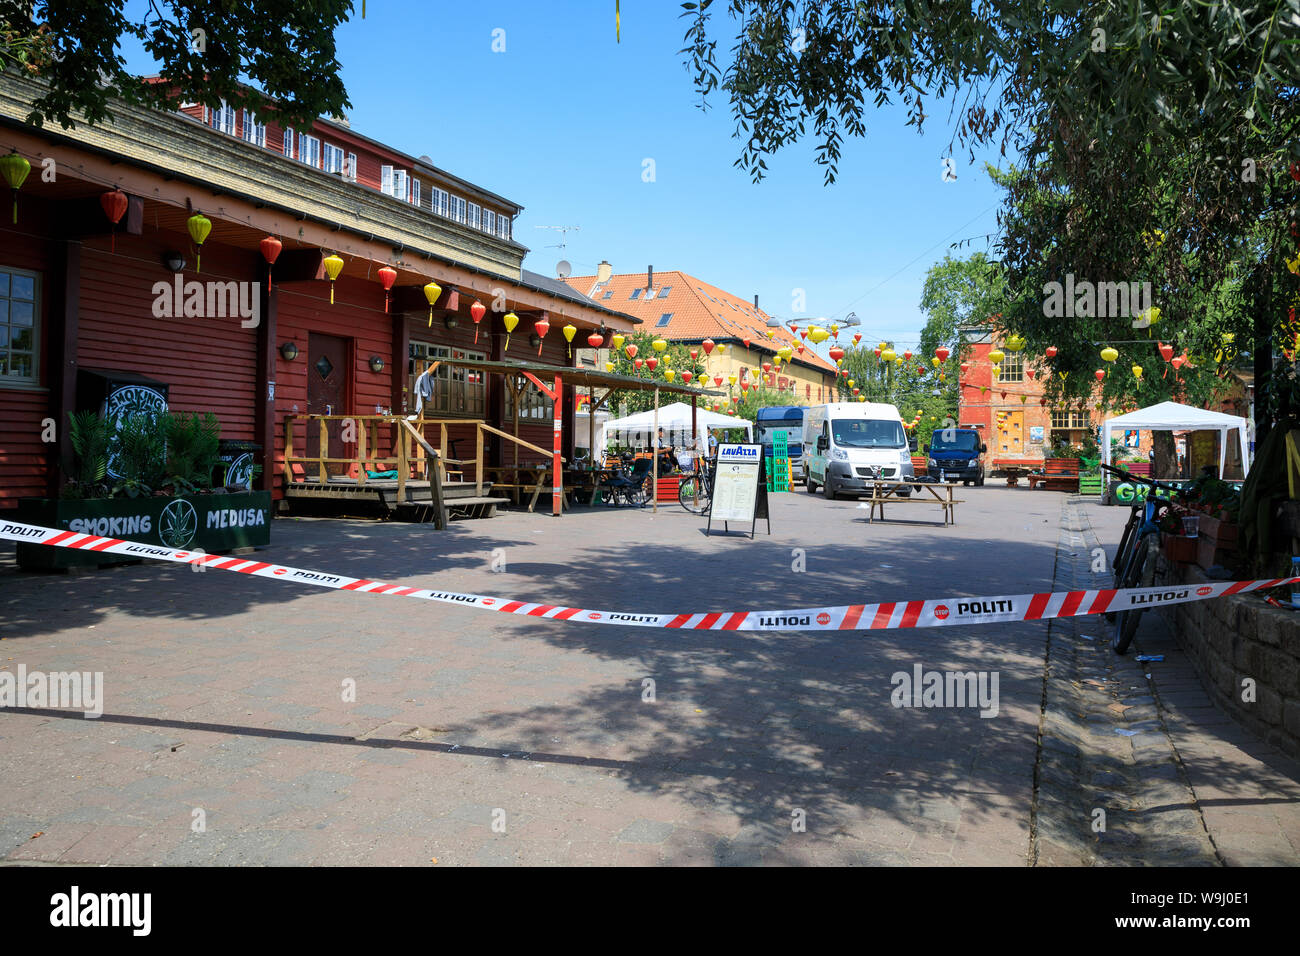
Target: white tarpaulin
<point>675,420</point>
<point>1171,416</point>
<point>582,430</point>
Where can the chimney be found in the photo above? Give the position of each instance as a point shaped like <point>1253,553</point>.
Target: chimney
<point>649,278</point>
<point>756,301</point>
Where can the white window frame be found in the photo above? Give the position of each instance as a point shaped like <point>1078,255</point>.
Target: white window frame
<point>350,167</point>
<point>440,202</point>
<point>331,158</point>
<point>222,118</point>
<point>33,379</point>
<point>458,209</point>
<point>309,150</point>
<point>287,147</point>
<point>489,220</point>
<point>254,132</point>
<point>414,197</point>
<point>474,215</point>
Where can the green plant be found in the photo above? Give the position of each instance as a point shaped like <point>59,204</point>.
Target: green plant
<point>191,449</point>
<point>90,435</point>
<point>141,454</point>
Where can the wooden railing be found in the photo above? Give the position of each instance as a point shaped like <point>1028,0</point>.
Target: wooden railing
<point>414,448</point>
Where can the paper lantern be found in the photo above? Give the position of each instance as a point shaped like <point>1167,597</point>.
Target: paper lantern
<point>617,341</point>
<point>1004,396</point>
<point>1100,373</point>
<point>769,333</point>
<point>652,363</point>
<point>836,352</point>
<point>785,353</point>
<point>996,370</point>
<point>333,266</point>
<point>1050,352</point>
<point>745,342</point>
<point>1023,399</point>
<point>476,312</point>
<point>862,398</point>
<point>199,226</point>
<point>509,320</point>
<point>731,379</point>
<point>695,354</point>
<point>818,334</point>
<point>638,363</point>
<point>943,377</point>
<point>1109,354</point>
<point>686,377</point>
<point>569,332</point>
<point>609,366</point>
<point>1137,372</point>
<point>15,168</point>
<point>744,386</point>
<point>907,354</point>
<point>965,367</point>
<point>431,292</point>
<point>541,327</point>
<point>1063,375</point>
<point>707,345</point>
<point>595,340</point>
<point>387,277</point>
<point>659,345</point>
<point>1014,343</point>
<point>856,390</point>
<point>935,361</point>
<point>942,353</point>
<point>114,205</point>
<point>717,381</point>
<point>669,374</point>
<point>835,330</point>
<point>630,350</point>
<point>721,348</point>
<point>800,349</point>
<point>857,338</point>
<point>1166,351</point>
<point>996,356</point>
<point>877,350</point>
<point>270,247</point>
<point>1030,372</point>
<point>1179,362</point>
<point>851,383</point>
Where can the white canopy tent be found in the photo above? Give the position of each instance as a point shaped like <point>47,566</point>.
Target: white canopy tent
<point>675,420</point>
<point>582,430</point>
<point>1172,416</point>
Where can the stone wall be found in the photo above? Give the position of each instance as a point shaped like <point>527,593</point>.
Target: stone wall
<point>1237,638</point>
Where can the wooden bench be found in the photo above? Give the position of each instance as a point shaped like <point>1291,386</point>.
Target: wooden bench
<point>1140,468</point>
<point>1013,469</point>
<point>1059,474</point>
<point>940,494</point>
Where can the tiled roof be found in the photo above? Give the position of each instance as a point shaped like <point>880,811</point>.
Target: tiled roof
<point>698,311</point>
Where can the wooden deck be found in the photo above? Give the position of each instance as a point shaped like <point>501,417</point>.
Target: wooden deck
<point>460,497</point>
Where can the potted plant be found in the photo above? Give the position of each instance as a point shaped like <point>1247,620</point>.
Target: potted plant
<point>146,478</point>
<point>1217,504</point>
<point>1176,546</point>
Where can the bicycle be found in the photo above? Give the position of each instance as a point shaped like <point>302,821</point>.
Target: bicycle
<point>695,492</point>
<point>1134,562</point>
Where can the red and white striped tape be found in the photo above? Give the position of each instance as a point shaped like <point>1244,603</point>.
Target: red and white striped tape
<point>936,612</point>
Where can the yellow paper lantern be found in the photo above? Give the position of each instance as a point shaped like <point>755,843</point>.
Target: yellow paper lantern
<point>731,379</point>
<point>852,383</point>
<point>569,332</point>
<point>785,353</point>
<point>200,225</point>
<point>617,341</point>
<point>333,266</point>
<point>721,347</point>
<point>888,355</point>
<point>934,362</point>
<point>15,168</point>
<point>818,334</point>
<point>431,292</point>
<point>996,356</point>
<point>659,345</point>
<point>609,366</point>
<point>669,374</point>
<point>1108,354</point>
<point>1137,372</point>
<point>1015,343</point>
<point>509,320</point>
<point>862,398</point>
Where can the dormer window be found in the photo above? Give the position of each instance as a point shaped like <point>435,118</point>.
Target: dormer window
<point>254,132</point>
<point>308,150</point>
<point>222,118</point>
<point>331,158</point>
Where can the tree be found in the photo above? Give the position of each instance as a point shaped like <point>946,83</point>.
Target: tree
<point>209,51</point>
<point>676,357</point>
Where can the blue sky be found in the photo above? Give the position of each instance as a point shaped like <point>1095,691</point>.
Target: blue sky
<point>562,121</point>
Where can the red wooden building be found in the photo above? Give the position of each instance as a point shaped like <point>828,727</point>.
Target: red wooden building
<point>224,333</point>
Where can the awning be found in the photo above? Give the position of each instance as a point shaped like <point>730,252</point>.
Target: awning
<point>1173,416</point>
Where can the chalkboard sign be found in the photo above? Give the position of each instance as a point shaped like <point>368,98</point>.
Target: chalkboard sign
<point>739,487</point>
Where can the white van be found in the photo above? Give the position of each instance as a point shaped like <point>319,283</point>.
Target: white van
<point>848,445</point>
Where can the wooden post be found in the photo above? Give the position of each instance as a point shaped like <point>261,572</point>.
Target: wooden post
<point>361,450</point>
<point>323,451</point>
<point>288,448</point>
<point>264,385</point>
<point>557,479</point>
<point>65,311</point>
<point>402,465</point>
<point>478,460</point>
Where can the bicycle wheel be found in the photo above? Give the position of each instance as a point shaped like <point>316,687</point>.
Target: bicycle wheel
<point>1122,554</point>
<point>693,495</point>
<point>1126,622</point>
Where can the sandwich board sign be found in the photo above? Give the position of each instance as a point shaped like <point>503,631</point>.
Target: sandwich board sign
<point>739,487</point>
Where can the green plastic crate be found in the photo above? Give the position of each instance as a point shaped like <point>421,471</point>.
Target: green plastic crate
<point>1090,484</point>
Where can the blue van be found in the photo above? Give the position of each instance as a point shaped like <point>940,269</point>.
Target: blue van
<point>788,419</point>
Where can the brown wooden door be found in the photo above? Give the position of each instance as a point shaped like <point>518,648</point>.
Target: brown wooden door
<point>328,365</point>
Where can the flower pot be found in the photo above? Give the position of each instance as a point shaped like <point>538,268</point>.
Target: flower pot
<point>666,488</point>
<point>201,523</point>
<point>1180,549</point>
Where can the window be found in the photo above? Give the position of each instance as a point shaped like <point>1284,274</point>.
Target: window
<point>458,391</point>
<point>1013,368</point>
<point>331,158</point>
<point>288,142</point>
<point>534,405</point>
<point>222,118</point>
<point>663,293</point>
<point>350,168</point>
<point>18,317</point>
<point>489,221</point>
<point>254,132</point>
<point>308,150</point>
<point>414,197</point>
<point>664,320</point>
<point>474,215</point>
<point>636,294</point>
<point>1068,418</point>
<point>609,294</point>
<point>503,226</point>
<point>394,182</point>
<point>458,209</point>
<point>440,201</point>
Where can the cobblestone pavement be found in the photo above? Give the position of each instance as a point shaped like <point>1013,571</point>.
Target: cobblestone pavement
<point>478,738</point>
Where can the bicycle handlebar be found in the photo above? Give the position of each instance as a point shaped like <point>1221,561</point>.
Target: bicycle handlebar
<point>1129,476</point>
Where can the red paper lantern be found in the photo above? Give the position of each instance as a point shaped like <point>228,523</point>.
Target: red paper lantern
<point>836,353</point>
<point>271,247</point>
<point>857,338</point>
<point>965,366</point>
<point>717,380</point>
<point>942,353</point>
<point>595,340</point>
<point>1166,351</point>
<point>907,355</point>
<point>652,363</point>
<point>1030,372</point>
<point>114,204</point>
<point>1100,373</point>
<point>744,386</point>
<point>541,327</point>
<point>476,312</point>
<point>746,341</point>
<point>695,354</point>
<point>387,277</point>
<point>638,363</point>
<point>800,348</point>
<point>686,377</point>
<point>1050,351</point>
<point>767,366</point>
<point>877,351</point>
<point>708,346</point>
<point>631,350</point>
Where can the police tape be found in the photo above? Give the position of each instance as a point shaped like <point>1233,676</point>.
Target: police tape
<point>936,612</point>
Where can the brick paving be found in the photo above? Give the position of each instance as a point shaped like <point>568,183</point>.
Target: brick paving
<point>485,739</point>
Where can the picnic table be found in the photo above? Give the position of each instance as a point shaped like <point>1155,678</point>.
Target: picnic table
<point>939,493</point>
<point>1013,474</point>
<point>522,478</point>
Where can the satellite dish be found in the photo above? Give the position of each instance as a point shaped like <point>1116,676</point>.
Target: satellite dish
<point>563,269</point>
